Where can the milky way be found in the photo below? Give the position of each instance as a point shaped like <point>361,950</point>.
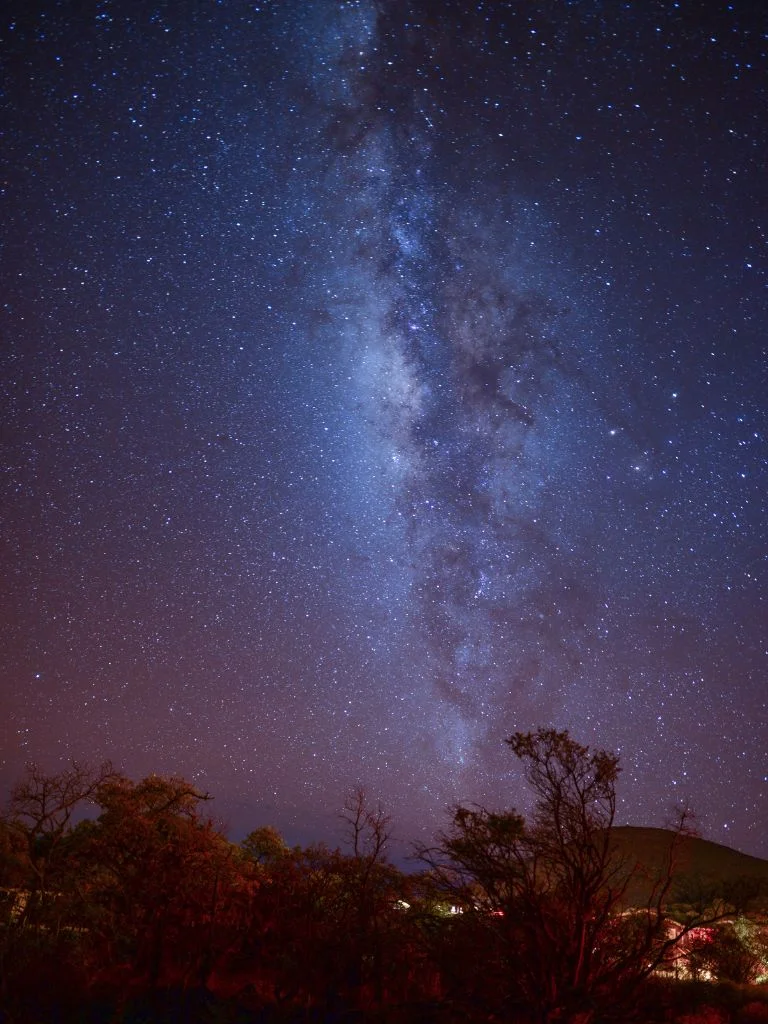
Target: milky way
<point>381,379</point>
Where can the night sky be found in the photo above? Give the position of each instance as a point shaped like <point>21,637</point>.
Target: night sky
<point>377,380</point>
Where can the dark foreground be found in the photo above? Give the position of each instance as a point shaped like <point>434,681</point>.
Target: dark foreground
<point>659,1003</point>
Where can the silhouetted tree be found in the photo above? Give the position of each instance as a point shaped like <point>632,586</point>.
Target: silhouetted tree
<point>367,828</point>
<point>38,820</point>
<point>547,896</point>
<point>40,936</point>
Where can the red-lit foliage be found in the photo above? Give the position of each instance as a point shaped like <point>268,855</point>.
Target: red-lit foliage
<point>148,898</point>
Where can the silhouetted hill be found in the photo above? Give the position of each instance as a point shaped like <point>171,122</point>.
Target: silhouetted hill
<point>702,870</point>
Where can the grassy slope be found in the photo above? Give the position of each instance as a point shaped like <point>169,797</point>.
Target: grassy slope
<point>699,865</point>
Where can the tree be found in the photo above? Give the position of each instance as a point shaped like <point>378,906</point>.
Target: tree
<point>370,882</point>
<point>548,894</point>
<point>39,816</point>
<point>328,928</point>
<point>164,885</point>
<point>264,845</point>
<point>327,931</point>
<point>40,938</point>
<point>367,827</point>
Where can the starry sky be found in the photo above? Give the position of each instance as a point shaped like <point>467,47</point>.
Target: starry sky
<point>379,379</point>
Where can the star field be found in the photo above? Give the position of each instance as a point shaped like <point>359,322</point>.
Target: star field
<point>381,379</point>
